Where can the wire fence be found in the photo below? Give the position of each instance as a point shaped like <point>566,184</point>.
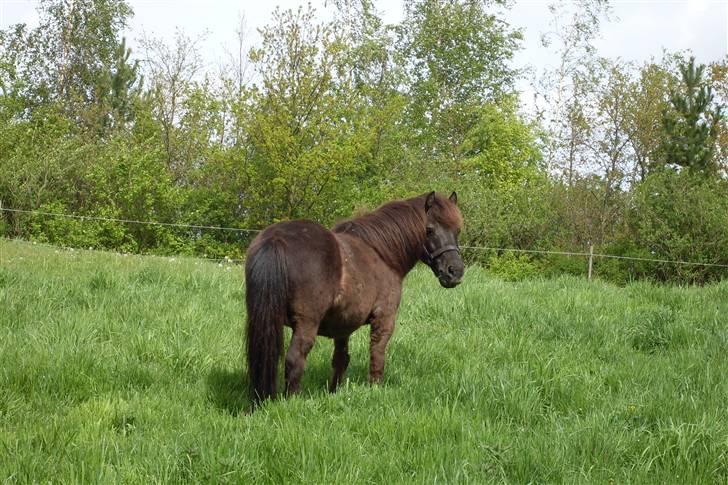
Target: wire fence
<point>596,255</point>
<point>221,261</point>
<point>130,221</point>
<point>590,255</point>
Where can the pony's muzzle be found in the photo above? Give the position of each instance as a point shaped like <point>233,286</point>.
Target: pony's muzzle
<point>452,274</point>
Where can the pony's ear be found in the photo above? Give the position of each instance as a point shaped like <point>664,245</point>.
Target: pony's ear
<point>454,198</point>
<point>429,201</point>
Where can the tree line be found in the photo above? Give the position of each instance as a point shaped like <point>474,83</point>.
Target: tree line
<point>322,119</point>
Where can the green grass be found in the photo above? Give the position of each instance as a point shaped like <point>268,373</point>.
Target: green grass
<point>130,369</point>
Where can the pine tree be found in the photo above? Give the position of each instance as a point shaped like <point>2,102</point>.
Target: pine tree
<point>690,126</point>
<point>125,82</point>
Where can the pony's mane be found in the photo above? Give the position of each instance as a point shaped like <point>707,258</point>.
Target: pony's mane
<point>396,230</point>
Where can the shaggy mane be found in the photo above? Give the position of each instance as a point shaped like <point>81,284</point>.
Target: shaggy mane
<point>396,230</point>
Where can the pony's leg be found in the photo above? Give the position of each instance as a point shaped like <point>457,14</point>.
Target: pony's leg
<point>339,362</point>
<point>381,330</point>
<point>304,336</point>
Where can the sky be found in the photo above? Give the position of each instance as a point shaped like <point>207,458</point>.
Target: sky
<point>639,29</point>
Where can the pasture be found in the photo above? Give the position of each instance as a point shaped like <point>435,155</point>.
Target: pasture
<point>130,369</point>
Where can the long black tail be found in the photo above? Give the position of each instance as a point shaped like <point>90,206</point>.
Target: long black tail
<point>266,297</point>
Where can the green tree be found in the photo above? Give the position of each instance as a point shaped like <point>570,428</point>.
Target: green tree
<point>310,129</point>
<point>171,72</point>
<point>684,217</point>
<point>646,100</point>
<point>457,57</point>
<point>690,128</point>
<point>72,55</point>
<point>719,81</point>
<point>500,149</point>
<point>565,95</point>
<point>124,82</point>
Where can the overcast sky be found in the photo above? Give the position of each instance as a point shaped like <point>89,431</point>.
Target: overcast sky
<point>638,31</point>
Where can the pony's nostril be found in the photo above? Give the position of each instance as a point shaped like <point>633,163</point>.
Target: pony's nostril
<point>454,272</point>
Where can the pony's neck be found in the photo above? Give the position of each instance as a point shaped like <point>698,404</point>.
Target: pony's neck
<point>396,232</point>
<point>416,244</point>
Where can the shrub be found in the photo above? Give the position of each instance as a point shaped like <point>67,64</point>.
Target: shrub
<point>512,266</point>
<point>682,217</point>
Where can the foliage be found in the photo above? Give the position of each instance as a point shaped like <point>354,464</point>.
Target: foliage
<point>684,217</point>
<point>322,119</point>
<point>512,266</point>
<point>75,58</point>
<point>304,127</point>
<point>500,148</point>
<point>622,270</point>
<point>647,100</point>
<point>520,216</point>
<point>690,128</point>
<point>457,57</point>
<point>563,95</point>
<point>719,81</point>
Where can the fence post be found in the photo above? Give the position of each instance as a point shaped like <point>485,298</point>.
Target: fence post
<point>591,260</point>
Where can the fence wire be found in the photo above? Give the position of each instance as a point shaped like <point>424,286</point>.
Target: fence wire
<point>131,221</point>
<point>221,261</point>
<point>595,255</point>
<point>252,231</point>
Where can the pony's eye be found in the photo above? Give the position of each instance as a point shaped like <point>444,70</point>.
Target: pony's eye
<point>430,231</point>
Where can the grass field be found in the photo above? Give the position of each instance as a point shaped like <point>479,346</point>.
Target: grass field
<point>130,369</point>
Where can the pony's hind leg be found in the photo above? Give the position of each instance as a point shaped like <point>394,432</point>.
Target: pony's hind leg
<point>304,336</point>
<point>339,362</point>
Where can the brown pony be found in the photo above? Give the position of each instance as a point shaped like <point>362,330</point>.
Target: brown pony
<point>329,283</point>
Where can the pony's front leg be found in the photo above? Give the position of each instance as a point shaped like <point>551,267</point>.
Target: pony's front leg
<point>304,336</point>
<point>381,330</point>
<point>339,362</point>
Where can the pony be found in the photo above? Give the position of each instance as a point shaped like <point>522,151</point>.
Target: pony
<point>331,282</point>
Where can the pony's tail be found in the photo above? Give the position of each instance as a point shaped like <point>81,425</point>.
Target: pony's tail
<point>266,297</point>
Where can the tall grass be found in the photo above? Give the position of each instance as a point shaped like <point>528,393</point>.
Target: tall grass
<point>129,369</point>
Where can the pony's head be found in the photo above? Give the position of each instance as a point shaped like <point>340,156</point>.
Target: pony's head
<point>441,251</point>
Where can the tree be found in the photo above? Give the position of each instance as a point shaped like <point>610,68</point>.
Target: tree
<point>308,129</point>
<point>237,68</point>
<point>457,58</point>
<point>124,82</point>
<point>609,144</point>
<point>681,216</point>
<point>646,100</point>
<point>690,127</point>
<point>76,59</point>
<point>500,150</point>
<point>564,96</point>
<point>171,71</point>
<point>719,81</point>
<point>74,46</point>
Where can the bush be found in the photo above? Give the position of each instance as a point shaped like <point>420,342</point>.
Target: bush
<point>517,217</point>
<point>552,265</point>
<point>623,271</point>
<point>682,217</point>
<point>512,266</point>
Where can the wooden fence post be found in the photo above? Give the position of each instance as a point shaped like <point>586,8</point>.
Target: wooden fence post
<point>591,259</point>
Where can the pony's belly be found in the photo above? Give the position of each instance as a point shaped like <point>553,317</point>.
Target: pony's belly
<point>339,322</point>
